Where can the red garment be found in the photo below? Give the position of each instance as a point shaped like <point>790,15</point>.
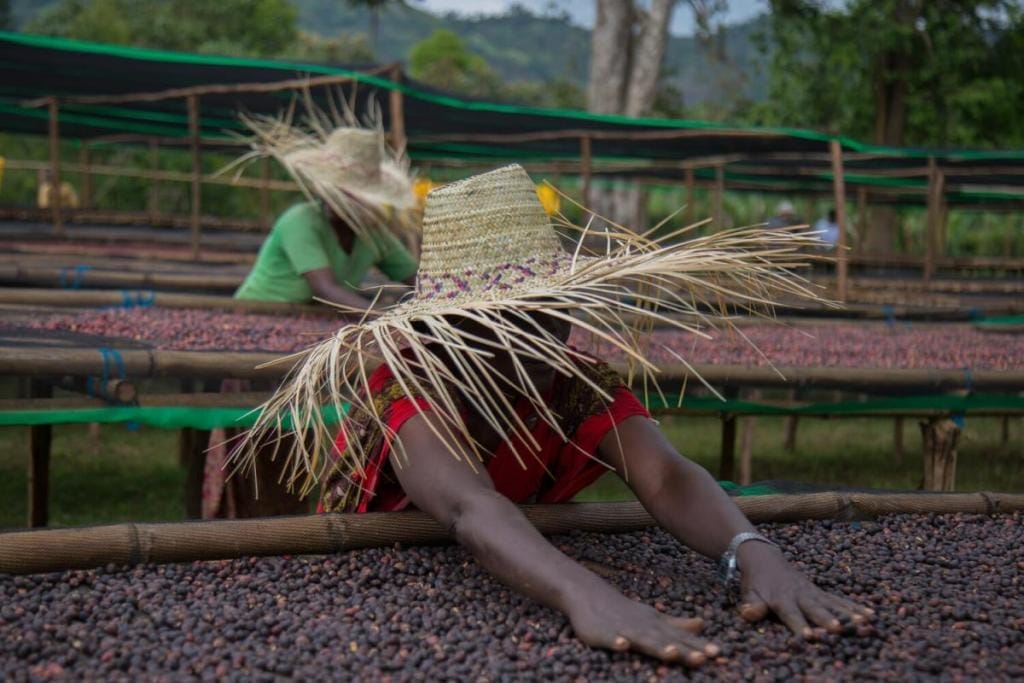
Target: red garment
<point>572,465</point>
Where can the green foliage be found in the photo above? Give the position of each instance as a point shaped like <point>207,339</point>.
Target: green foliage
<point>236,27</point>
<point>444,61</point>
<point>958,62</point>
<point>345,48</point>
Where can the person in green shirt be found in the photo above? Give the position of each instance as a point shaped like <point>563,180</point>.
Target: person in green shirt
<point>311,252</point>
<point>359,203</point>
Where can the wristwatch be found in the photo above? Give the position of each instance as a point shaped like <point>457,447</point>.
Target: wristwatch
<point>727,566</point>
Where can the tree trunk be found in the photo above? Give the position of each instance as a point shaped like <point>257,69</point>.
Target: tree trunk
<point>891,82</point>
<point>610,49</point>
<point>648,53</point>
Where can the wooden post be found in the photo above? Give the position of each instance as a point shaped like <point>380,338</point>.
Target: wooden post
<point>931,217</point>
<point>809,211</point>
<point>1004,431</point>
<point>897,440</point>
<point>719,209</point>
<point>585,171</point>
<point>197,172</point>
<point>55,199</point>
<point>153,203</point>
<point>265,193</point>
<point>40,441</point>
<point>839,192</point>
<point>396,102</point>
<point>86,176</point>
<point>941,437</point>
<point>691,200</point>
<point>792,423</point>
<point>727,460</point>
<point>747,444</point>
<point>862,219</point>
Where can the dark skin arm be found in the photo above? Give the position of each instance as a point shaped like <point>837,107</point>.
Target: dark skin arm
<point>504,542</point>
<point>322,282</point>
<point>689,504</point>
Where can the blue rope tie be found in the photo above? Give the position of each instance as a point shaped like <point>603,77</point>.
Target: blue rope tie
<point>890,315</point>
<point>143,299</point>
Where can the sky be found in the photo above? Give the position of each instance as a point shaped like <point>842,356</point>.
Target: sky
<point>582,11</point>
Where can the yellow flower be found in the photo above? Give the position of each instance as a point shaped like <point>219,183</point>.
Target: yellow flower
<point>549,199</point>
<point>420,188</point>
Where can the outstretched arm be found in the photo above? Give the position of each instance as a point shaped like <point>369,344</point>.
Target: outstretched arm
<point>504,542</point>
<point>325,287</point>
<point>690,505</point>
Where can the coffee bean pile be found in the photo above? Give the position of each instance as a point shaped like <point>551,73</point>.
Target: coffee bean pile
<point>948,592</point>
<point>949,346</point>
<point>196,329</point>
<point>938,347</point>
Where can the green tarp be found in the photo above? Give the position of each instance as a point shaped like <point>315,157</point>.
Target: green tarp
<point>209,418</point>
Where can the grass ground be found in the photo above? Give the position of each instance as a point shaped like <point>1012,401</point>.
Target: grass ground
<point>134,476</point>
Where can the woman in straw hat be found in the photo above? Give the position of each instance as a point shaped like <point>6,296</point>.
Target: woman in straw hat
<point>479,403</point>
<point>324,247</point>
<point>358,192</point>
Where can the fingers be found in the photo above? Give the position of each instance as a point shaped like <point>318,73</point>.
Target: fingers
<point>752,608</point>
<point>692,625</point>
<point>672,640</point>
<point>789,613</point>
<point>819,614</point>
<point>857,613</point>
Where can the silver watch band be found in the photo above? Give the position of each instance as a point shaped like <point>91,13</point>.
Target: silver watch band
<point>727,565</point>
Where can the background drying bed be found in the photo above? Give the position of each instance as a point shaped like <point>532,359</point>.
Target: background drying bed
<point>869,345</point>
<point>947,590</point>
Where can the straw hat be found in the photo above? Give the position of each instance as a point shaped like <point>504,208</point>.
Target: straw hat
<point>491,255</point>
<point>349,167</point>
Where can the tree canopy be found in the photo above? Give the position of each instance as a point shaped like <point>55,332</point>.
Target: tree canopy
<point>239,27</point>
<point>915,72</point>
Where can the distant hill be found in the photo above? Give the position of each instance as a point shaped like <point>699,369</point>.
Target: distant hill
<point>525,47</point>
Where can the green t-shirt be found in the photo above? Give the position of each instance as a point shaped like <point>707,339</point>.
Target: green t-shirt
<point>302,240</point>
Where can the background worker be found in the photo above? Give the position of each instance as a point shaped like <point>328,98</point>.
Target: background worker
<point>360,194</point>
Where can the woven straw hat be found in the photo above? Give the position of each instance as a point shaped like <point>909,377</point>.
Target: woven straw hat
<point>492,256</point>
<point>349,167</point>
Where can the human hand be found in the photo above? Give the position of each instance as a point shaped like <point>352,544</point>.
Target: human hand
<point>606,618</point>
<point>770,584</point>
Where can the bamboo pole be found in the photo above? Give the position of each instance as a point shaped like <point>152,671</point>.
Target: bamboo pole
<point>303,83</point>
<point>165,176</point>
<point>839,191</point>
<point>396,102</point>
<point>197,174</point>
<point>53,550</point>
<point>56,200</point>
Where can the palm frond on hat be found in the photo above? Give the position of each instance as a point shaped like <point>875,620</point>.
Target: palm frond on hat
<point>491,256</point>
<point>336,159</point>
